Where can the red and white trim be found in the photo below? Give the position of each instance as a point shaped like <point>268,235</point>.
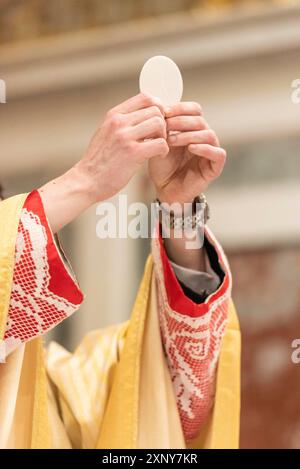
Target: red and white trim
<point>43,292</point>
<point>192,335</point>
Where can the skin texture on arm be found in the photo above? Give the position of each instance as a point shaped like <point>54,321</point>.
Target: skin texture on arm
<point>65,198</point>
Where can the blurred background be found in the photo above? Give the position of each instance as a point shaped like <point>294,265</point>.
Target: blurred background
<point>67,62</point>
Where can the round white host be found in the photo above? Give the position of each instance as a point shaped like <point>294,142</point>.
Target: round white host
<point>161,78</point>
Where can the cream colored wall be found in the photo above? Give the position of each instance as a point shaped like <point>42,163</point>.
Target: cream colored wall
<point>240,69</point>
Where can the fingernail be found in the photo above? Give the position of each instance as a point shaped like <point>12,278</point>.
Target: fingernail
<point>168,111</point>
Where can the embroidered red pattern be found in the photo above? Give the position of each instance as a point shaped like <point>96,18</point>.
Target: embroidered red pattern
<point>192,343</point>
<point>35,306</point>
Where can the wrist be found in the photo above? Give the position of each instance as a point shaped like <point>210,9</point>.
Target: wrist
<point>170,199</point>
<point>183,217</point>
<point>93,182</point>
<point>82,184</point>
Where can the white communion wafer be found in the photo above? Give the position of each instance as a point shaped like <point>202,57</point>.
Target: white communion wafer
<point>161,77</point>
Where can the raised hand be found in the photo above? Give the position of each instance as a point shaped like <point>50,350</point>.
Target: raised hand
<point>131,133</point>
<point>195,157</point>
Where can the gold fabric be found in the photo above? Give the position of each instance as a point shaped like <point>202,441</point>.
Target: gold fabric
<point>23,400</point>
<point>115,390</point>
<point>9,216</point>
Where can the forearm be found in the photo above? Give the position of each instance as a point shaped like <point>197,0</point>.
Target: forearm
<point>66,197</point>
<point>183,247</point>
